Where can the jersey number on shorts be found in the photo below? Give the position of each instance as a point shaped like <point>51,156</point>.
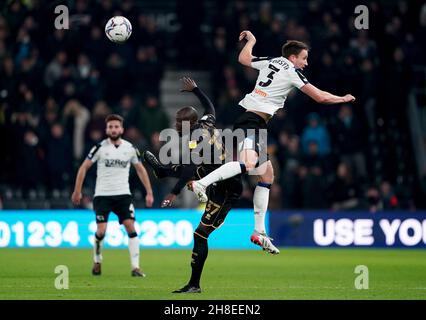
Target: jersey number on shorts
<point>270,76</point>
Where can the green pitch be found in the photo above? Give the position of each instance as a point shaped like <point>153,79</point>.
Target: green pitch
<point>293,274</point>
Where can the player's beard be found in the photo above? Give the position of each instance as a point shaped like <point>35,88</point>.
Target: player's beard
<point>114,138</point>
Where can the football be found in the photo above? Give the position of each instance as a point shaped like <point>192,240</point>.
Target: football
<point>118,29</point>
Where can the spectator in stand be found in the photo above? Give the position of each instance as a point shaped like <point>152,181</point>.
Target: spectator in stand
<point>373,201</point>
<point>97,120</point>
<point>55,68</point>
<point>29,162</point>
<point>246,199</point>
<point>347,133</point>
<point>57,80</point>
<point>76,117</point>
<point>312,182</point>
<point>9,80</point>
<point>83,73</point>
<point>344,190</point>
<point>147,71</point>
<point>275,201</point>
<point>289,158</point>
<point>228,111</point>
<point>152,118</point>
<point>313,160</point>
<point>48,118</point>
<point>116,76</point>
<point>389,199</point>
<point>128,110</point>
<point>58,158</point>
<point>96,46</point>
<point>279,123</point>
<point>64,89</point>
<point>316,131</point>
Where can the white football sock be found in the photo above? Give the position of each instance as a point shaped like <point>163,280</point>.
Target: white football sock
<point>97,250</point>
<point>260,204</point>
<point>134,252</point>
<point>224,172</point>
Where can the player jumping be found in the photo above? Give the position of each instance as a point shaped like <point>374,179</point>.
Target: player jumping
<point>221,197</point>
<point>112,192</point>
<point>277,77</point>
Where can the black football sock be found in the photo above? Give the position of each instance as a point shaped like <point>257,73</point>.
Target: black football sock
<point>199,256</point>
<point>97,248</point>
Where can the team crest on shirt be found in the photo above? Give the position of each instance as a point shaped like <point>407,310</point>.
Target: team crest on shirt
<point>192,144</point>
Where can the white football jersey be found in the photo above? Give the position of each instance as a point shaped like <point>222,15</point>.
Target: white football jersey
<point>113,167</point>
<point>277,76</point>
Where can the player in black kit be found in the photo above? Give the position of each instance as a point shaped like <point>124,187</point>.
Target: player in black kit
<point>221,196</point>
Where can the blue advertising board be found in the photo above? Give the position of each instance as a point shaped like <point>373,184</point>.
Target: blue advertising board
<point>173,228</point>
<point>168,228</point>
<point>402,229</point>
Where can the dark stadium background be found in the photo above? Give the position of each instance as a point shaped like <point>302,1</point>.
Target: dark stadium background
<point>56,86</point>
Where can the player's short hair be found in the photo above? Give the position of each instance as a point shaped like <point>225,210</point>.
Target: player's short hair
<point>187,114</point>
<point>293,47</point>
<point>112,117</point>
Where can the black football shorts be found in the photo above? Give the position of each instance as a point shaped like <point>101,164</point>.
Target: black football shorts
<point>121,205</point>
<point>222,197</point>
<point>255,129</point>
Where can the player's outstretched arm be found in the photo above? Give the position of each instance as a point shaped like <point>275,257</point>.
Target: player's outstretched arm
<point>189,85</point>
<point>81,174</point>
<point>325,97</point>
<point>246,54</point>
<point>143,176</point>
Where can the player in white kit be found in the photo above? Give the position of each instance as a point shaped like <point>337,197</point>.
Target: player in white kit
<point>277,77</point>
<point>112,193</point>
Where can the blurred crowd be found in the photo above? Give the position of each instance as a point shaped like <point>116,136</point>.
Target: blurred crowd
<point>346,157</point>
<point>57,86</point>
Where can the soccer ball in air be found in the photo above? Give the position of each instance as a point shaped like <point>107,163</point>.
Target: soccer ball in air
<point>118,29</point>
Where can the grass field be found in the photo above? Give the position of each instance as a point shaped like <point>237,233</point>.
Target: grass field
<point>294,274</point>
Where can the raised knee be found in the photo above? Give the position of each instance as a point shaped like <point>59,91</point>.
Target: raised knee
<point>269,175</point>
<point>250,165</point>
<point>267,178</point>
<point>100,236</point>
<point>132,234</point>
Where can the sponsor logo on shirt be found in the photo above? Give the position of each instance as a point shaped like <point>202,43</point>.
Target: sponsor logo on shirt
<point>260,92</point>
<point>116,163</point>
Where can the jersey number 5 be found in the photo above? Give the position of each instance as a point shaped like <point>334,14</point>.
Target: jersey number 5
<point>270,76</point>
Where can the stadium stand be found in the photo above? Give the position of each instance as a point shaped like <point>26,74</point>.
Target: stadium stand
<point>57,85</point>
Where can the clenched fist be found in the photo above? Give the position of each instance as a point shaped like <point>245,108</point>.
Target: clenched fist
<point>247,35</point>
